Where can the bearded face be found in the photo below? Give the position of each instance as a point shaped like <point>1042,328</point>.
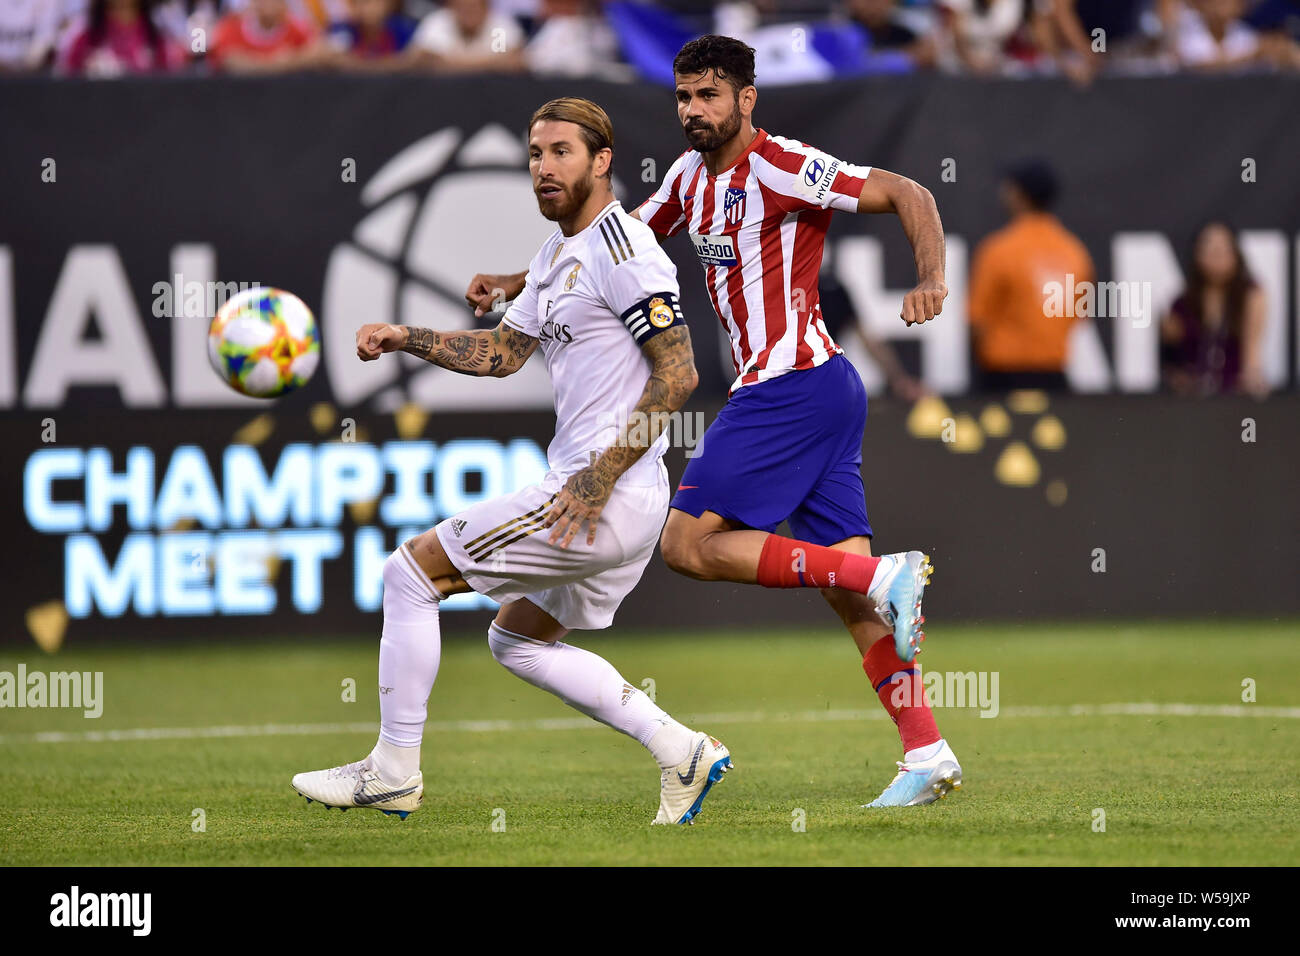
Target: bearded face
<point>709,109</point>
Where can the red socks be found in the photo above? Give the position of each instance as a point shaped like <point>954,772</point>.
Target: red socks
<point>899,687</point>
<point>787,563</point>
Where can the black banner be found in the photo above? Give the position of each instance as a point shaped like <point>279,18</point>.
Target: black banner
<point>169,525</point>
<point>150,499</point>
<point>377,198</point>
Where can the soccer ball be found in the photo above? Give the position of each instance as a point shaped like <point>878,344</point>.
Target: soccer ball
<point>263,342</point>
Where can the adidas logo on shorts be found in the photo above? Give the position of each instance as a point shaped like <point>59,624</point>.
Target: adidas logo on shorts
<point>457,526</point>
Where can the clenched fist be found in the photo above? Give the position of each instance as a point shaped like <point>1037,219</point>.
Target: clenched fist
<point>924,302</point>
<point>377,338</point>
<point>489,292</point>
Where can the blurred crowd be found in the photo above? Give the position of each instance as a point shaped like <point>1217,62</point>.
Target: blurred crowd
<point>1211,334</point>
<point>582,38</point>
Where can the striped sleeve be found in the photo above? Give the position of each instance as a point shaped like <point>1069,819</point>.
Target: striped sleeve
<point>642,289</point>
<point>662,212</point>
<point>806,178</point>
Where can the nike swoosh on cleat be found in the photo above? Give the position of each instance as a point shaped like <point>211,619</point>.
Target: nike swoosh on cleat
<point>687,780</point>
<point>686,487</point>
<point>364,799</point>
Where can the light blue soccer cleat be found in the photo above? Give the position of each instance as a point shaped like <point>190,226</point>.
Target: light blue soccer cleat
<point>922,782</point>
<point>898,600</point>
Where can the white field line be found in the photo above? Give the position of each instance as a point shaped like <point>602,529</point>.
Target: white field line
<point>579,723</point>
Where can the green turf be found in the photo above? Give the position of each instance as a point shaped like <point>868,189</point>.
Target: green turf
<point>1187,790</point>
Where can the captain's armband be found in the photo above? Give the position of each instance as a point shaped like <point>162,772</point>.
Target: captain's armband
<point>654,314</point>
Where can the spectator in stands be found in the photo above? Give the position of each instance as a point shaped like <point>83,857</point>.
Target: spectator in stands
<point>467,36</point>
<point>1212,337</point>
<point>573,40</point>
<point>375,30</point>
<point>1211,37</point>
<point>265,38</point>
<point>979,31</point>
<point>880,21</point>
<point>28,29</point>
<point>179,19</point>
<point>1021,342</point>
<point>1087,35</point>
<point>318,14</point>
<point>1277,23</point>
<point>117,37</point>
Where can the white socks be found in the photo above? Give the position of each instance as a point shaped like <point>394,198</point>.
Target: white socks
<point>409,653</point>
<point>590,684</point>
<point>922,754</point>
<point>671,744</point>
<point>884,570</point>
<point>395,764</point>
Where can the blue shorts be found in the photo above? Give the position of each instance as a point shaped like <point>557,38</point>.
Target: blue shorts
<point>789,449</point>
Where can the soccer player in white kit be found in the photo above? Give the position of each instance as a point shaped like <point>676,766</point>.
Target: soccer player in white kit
<point>601,301</point>
<point>787,446</point>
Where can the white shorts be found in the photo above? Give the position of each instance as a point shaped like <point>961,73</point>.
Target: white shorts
<point>502,549</point>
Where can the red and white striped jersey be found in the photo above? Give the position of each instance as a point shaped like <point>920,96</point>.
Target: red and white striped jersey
<point>759,229</point>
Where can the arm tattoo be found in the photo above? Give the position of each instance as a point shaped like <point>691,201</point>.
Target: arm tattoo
<point>420,342</point>
<point>465,351</point>
<point>519,345</point>
<point>672,379</point>
<point>481,352</point>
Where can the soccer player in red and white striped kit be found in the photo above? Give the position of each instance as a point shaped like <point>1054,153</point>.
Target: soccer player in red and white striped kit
<point>787,446</point>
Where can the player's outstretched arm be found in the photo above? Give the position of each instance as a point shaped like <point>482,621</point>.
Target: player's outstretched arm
<point>487,291</point>
<point>916,210</point>
<point>497,352</point>
<point>672,380</point>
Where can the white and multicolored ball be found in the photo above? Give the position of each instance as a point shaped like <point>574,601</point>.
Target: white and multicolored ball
<point>263,342</point>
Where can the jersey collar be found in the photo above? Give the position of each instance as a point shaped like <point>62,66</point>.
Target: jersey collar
<point>594,219</point>
<point>759,136</point>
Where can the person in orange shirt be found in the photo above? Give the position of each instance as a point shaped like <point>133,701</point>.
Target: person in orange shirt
<point>1020,334</point>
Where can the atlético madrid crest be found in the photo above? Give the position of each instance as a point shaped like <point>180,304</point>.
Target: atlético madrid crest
<point>733,205</point>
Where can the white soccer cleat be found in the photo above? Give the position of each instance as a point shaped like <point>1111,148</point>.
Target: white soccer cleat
<point>682,789</point>
<point>358,785</point>
<point>898,600</point>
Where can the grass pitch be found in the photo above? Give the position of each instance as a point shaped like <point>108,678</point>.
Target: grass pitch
<point>1211,784</point>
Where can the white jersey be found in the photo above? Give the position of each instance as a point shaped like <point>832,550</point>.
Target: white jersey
<point>593,299</point>
<point>28,29</point>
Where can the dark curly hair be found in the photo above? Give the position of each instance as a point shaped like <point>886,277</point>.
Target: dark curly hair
<point>731,59</point>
